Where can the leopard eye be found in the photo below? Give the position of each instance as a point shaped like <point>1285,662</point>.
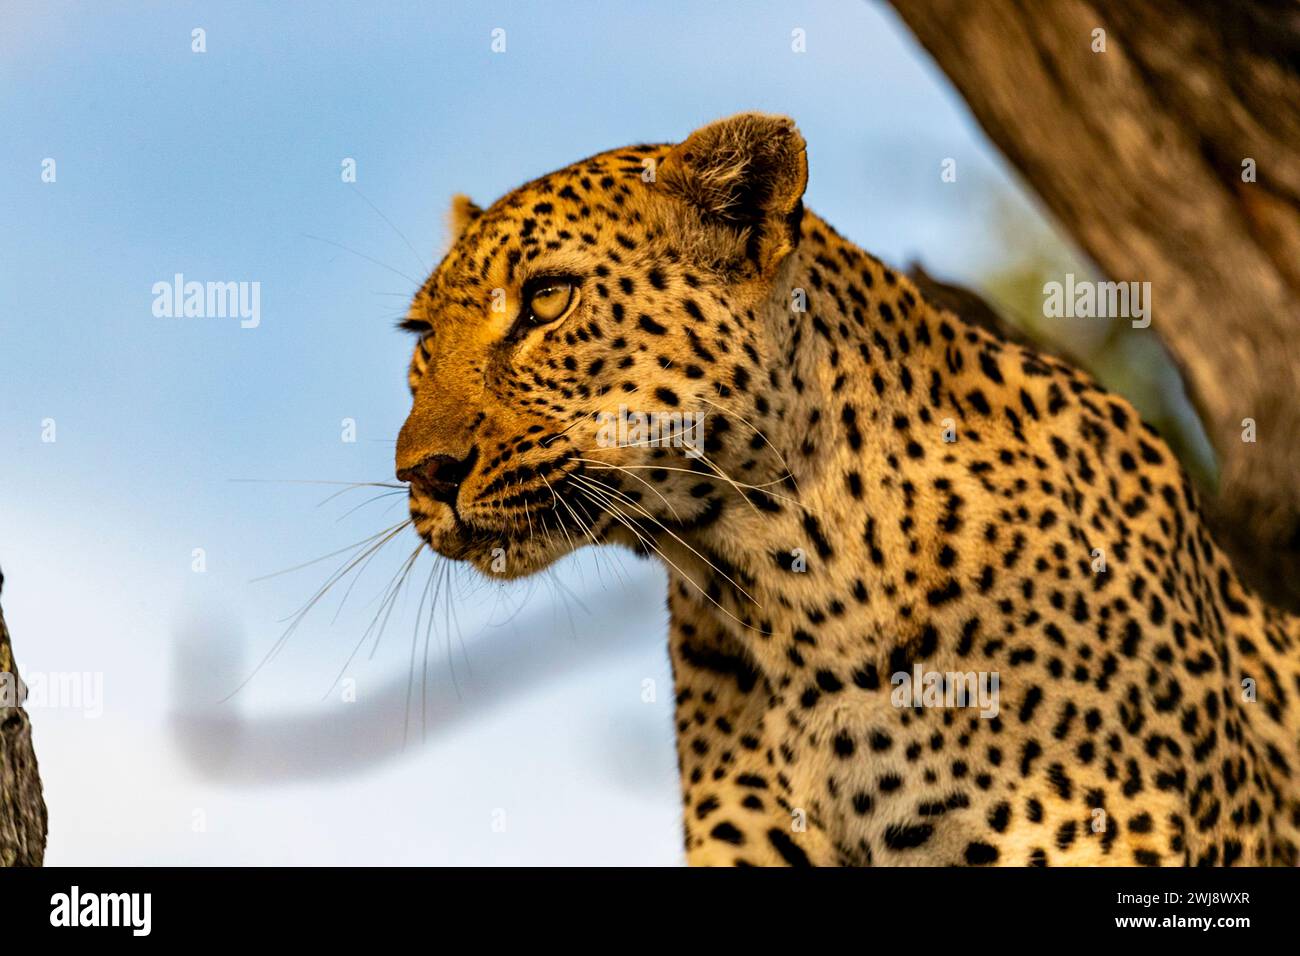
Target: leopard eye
<point>551,301</point>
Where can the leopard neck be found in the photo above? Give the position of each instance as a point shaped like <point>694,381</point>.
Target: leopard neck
<point>848,354</point>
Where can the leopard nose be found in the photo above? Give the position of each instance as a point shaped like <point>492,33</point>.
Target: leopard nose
<point>440,476</point>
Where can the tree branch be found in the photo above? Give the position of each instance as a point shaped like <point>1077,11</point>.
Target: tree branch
<point>1139,152</point>
<point>22,806</point>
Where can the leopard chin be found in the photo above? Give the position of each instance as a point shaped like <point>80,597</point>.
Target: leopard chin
<point>504,553</point>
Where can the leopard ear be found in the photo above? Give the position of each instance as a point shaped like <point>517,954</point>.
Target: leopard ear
<point>463,212</point>
<point>746,173</point>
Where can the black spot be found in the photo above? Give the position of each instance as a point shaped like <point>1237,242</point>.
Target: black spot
<point>727,834</point>
<point>828,682</point>
<point>1065,834</point>
<point>907,837</point>
<point>978,854</point>
<point>867,677</point>
<point>949,592</point>
<point>789,850</point>
<point>1031,751</point>
<point>1033,697</point>
<point>650,325</point>
<point>989,366</point>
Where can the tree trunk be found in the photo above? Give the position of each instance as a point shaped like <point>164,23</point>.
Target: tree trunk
<point>1144,153</point>
<point>22,806</point>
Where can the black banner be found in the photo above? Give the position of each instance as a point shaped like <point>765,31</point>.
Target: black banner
<point>954,907</point>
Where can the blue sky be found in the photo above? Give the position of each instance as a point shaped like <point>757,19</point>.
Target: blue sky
<point>225,166</point>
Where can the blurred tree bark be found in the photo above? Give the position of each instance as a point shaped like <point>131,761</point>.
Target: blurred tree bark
<point>22,805</point>
<point>1170,156</point>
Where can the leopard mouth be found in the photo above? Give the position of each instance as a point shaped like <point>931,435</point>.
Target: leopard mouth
<point>542,522</point>
<point>464,542</point>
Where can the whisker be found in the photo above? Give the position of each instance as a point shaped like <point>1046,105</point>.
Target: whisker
<point>355,578</point>
<point>415,641</point>
<point>554,499</point>
<point>546,443</point>
<point>655,549</point>
<point>361,560</point>
<point>326,557</point>
<point>362,255</point>
<point>347,485</point>
<point>573,513</point>
<point>700,474</point>
<point>610,465</point>
<point>443,580</point>
<point>313,481</point>
<point>386,494</point>
<point>297,618</point>
<point>598,551</point>
<point>418,261</point>
<point>381,615</point>
<point>706,561</point>
<point>760,434</point>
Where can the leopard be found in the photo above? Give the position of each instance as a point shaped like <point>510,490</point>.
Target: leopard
<point>935,598</point>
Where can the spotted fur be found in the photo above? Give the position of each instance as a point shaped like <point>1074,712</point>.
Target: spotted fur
<point>883,487</point>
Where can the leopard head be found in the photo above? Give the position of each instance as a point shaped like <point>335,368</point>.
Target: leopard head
<point>591,344</point>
